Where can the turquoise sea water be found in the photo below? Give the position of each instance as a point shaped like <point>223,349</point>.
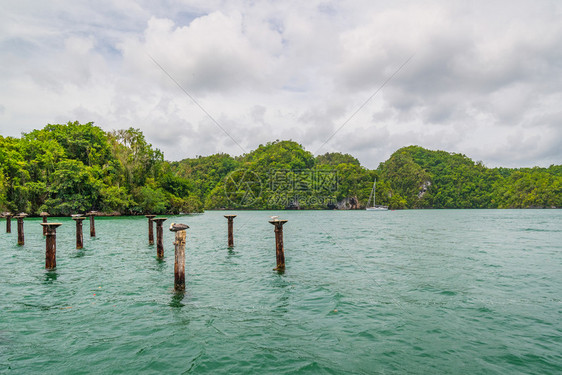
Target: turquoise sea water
<point>420,291</point>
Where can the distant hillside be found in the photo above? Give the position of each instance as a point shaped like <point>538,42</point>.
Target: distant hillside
<point>415,177</point>
<point>71,168</point>
<point>277,175</point>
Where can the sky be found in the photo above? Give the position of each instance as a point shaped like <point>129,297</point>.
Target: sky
<point>365,77</point>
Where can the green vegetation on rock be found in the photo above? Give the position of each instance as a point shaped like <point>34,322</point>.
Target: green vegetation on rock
<point>438,179</point>
<point>70,168</point>
<point>65,169</point>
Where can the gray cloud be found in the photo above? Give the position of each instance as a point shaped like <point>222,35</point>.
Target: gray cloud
<point>485,79</point>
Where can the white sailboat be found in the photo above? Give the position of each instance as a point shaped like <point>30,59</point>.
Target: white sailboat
<point>374,207</point>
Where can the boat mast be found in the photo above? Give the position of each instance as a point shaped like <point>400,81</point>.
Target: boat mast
<point>372,195</point>
<point>374,192</point>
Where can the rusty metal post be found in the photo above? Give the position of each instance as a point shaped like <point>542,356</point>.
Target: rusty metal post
<point>279,250</point>
<point>150,230</point>
<point>179,264</point>
<point>159,235</point>
<point>21,236</point>
<point>92,215</point>
<point>79,234</point>
<point>230,219</point>
<point>51,244</point>
<point>44,216</point>
<point>8,222</point>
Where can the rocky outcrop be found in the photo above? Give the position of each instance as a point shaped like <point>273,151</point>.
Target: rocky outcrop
<point>349,203</point>
<point>424,188</point>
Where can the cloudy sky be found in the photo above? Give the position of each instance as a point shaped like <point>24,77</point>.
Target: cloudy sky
<point>365,77</point>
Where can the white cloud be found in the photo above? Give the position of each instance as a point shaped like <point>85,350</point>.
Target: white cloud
<point>485,79</point>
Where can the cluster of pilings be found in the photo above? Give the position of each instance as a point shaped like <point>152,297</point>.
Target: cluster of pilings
<point>19,217</point>
<point>180,239</point>
<point>179,243</point>
<point>50,233</point>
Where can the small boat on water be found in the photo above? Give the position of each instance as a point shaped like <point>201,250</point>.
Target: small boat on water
<point>375,207</point>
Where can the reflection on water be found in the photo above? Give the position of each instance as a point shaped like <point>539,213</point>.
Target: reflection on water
<point>160,264</point>
<point>177,298</point>
<point>282,305</point>
<point>78,253</point>
<point>50,276</point>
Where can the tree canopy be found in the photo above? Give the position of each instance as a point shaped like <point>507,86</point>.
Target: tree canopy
<point>439,179</point>
<point>73,167</point>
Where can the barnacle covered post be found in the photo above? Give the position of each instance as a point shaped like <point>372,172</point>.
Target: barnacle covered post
<point>79,234</point>
<point>21,236</point>
<point>51,244</point>
<point>8,216</point>
<point>92,215</point>
<point>279,251</point>
<point>150,229</point>
<point>44,216</point>
<point>159,235</point>
<point>230,219</point>
<point>179,264</point>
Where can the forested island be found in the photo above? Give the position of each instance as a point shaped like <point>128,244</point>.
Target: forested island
<point>70,168</point>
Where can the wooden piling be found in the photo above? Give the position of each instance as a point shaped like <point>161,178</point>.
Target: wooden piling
<point>8,216</point>
<point>159,235</point>
<point>21,236</point>
<point>279,250</point>
<point>79,234</point>
<point>51,244</point>
<point>179,264</point>
<point>44,216</point>
<point>230,219</point>
<point>92,215</point>
<point>150,230</point>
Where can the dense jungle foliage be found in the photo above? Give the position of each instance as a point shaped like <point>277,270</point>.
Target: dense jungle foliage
<point>71,168</point>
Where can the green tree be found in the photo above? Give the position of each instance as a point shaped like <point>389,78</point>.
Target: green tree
<point>139,160</point>
<point>83,142</point>
<point>151,199</point>
<point>73,189</point>
<point>116,199</point>
<point>405,176</point>
<point>336,158</point>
